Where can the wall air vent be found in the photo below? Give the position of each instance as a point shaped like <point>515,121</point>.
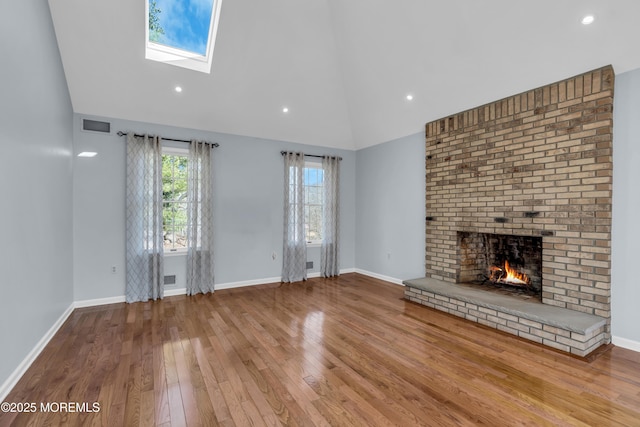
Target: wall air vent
<point>96,126</point>
<point>170,280</point>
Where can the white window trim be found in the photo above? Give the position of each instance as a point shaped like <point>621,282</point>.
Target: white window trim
<point>175,151</point>
<point>179,57</point>
<point>175,252</point>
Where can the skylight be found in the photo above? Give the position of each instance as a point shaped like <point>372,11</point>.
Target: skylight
<point>182,32</point>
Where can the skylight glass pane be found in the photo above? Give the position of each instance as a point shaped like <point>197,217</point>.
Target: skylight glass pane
<point>181,24</point>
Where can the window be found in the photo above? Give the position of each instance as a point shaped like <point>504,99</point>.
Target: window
<point>174,200</point>
<point>182,33</point>
<point>313,177</point>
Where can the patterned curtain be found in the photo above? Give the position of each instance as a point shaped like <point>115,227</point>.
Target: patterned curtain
<point>329,251</point>
<point>144,247</point>
<point>199,219</point>
<point>294,252</point>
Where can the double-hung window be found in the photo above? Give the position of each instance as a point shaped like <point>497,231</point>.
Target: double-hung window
<point>313,181</point>
<point>174,199</point>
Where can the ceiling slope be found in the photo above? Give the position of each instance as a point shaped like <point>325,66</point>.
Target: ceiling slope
<point>343,68</point>
<point>457,54</point>
<point>268,55</point>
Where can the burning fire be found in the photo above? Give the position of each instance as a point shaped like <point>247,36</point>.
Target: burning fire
<point>509,276</point>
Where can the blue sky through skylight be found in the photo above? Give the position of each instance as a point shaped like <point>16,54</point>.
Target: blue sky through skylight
<point>185,24</point>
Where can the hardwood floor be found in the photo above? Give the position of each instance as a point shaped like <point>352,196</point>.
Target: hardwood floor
<point>346,351</point>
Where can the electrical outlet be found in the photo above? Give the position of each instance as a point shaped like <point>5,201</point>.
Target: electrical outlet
<point>113,269</point>
<point>274,255</point>
<point>388,255</point>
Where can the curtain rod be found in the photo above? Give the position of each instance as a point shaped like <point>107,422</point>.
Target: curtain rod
<point>213,144</point>
<point>311,155</point>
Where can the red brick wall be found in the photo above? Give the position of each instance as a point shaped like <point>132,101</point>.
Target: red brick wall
<point>548,150</point>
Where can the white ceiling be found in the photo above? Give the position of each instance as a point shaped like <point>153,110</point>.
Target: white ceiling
<point>343,67</point>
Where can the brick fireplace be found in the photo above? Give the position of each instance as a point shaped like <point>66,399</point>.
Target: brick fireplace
<point>536,165</point>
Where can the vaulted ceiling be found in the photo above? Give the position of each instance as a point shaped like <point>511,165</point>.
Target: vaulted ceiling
<point>342,67</point>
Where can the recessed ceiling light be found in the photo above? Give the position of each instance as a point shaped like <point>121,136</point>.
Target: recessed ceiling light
<point>178,89</point>
<point>409,97</point>
<point>588,20</point>
<point>87,154</point>
<point>285,109</point>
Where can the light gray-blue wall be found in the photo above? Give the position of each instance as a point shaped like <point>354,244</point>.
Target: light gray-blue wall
<point>625,282</point>
<point>390,208</point>
<point>249,178</point>
<point>36,216</point>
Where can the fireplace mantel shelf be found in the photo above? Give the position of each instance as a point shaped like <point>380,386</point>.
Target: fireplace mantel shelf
<point>568,330</point>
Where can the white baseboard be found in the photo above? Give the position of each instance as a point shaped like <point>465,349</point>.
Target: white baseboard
<point>342,271</point>
<point>98,301</point>
<point>182,291</point>
<point>265,281</point>
<point>244,283</point>
<point>626,343</point>
<point>15,376</point>
<point>379,276</point>
<point>174,292</point>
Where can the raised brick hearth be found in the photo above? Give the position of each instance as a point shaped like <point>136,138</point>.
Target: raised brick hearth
<point>535,164</point>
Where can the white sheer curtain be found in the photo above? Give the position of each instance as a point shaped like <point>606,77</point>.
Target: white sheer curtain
<point>199,219</point>
<point>144,239</point>
<point>329,251</point>
<point>294,252</point>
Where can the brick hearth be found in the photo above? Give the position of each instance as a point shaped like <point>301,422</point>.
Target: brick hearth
<point>535,164</point>
<point>563,329</point>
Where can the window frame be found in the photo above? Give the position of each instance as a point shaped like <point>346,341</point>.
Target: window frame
<point>183,58</point>
<point>178,152</point>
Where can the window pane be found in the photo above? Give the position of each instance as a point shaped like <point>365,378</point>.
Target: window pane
<point>314,195</point>
<point>313,199</point>
<point>314,222</point>
<point>183,25</point>
<point>174,206</point>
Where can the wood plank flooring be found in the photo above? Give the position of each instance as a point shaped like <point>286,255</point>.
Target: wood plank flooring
<point>345,352</point>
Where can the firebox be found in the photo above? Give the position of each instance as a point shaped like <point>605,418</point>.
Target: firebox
<point>507,261</point>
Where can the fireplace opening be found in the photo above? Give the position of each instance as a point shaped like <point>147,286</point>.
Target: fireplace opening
<point>506,264</point>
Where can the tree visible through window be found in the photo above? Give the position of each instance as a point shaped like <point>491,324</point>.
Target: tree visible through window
<point>313,177</point>
<point>155,28</point>
<point>174,201</point>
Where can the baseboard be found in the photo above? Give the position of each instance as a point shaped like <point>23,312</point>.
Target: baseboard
<point>265,281</point>
<point>380,276</point>
<point>98,301</point>
<point>15,376</point>
<point>231,285</point>
<point>183,291</point>
<point>626,343</point>
<point>175,292</point>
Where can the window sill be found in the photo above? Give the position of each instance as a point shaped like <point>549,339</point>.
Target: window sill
<point>314,245</point>
<point>182,252</point>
